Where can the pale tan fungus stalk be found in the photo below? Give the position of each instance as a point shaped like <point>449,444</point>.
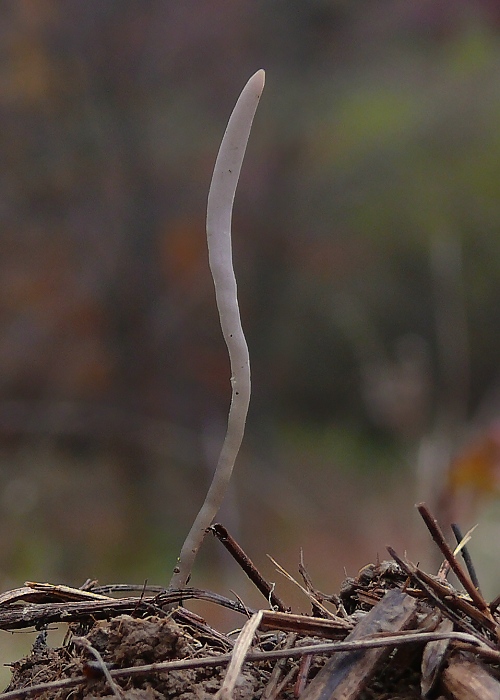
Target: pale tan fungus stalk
<point>219,215</point>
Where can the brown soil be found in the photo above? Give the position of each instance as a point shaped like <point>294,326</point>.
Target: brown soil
<point>127,642</point>
<point>393,633</point>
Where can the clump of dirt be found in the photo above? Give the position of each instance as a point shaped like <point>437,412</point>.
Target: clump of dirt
<point>132,642</point>
<point>393,632</point>
<point>126,642</point>
<point>137,649</point>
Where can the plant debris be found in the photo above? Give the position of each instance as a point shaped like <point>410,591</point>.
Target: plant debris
<point>394,632</point>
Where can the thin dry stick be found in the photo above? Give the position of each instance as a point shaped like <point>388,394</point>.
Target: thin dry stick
<point>239,653</point>
<point>248,566</point>
<point>439,594</point>
<point>19,617</point>
<point>286,681</point>
<point>304,668</point>
<point>115,688</point>
<point>328,614</point>
<point>219,215</point>
<point>464,550</point>
<point>271,690</point>
<point>438,537</point>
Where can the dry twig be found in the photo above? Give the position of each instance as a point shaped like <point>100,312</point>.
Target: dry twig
<point>248,566</point>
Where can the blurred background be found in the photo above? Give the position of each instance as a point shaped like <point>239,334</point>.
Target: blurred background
<point>367,251</point>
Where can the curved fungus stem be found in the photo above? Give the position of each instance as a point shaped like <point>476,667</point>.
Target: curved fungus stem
<point>219,214</point>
